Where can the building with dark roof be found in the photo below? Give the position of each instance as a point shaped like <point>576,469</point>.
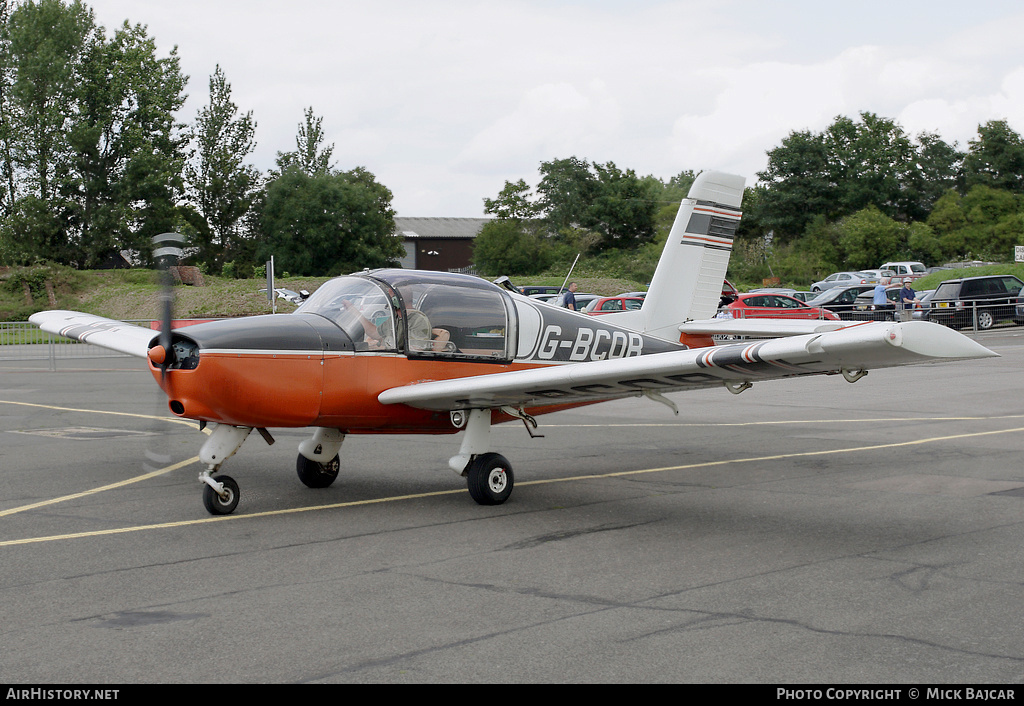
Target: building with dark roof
<point>440,244</point>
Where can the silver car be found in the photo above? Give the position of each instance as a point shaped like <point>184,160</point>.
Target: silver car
<point>843,279</point>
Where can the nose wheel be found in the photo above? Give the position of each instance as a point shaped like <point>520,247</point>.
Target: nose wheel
<point>221,502</point>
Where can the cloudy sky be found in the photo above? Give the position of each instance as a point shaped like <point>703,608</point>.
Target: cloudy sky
<point>446,100</point>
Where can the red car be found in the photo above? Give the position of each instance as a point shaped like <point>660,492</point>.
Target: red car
<point>758,305</point>
<point>606,305</point>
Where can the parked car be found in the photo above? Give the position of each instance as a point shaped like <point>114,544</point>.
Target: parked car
<point>531,289</point>
<point>606,305</point>
<point>924,308</point>
<point>906,269</point>
<point>976,301</point>
<point>788,291</point>
<point>775,306</point>
<point>841,300</point>
<point>729,293</point>
<point>804,296</point>
<point>883,276</point>
<point>864,308</point>
<point>582,299</point>
<point>843,279</point>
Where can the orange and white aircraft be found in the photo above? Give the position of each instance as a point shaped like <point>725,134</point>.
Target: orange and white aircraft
<point>411,352</point>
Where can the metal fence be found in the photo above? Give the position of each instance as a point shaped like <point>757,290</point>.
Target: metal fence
<point>21,341</point>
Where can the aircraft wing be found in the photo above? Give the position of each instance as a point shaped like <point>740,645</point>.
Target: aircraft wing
<point>856,348</point>
<point>764,327</point>
<point>106,333</point>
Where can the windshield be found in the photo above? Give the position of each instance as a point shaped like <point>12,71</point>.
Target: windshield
<point>360,307</point>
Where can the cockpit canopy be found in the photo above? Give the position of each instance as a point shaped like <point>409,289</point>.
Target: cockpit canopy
<point>421,314</point>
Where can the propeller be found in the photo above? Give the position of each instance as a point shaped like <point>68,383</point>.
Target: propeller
<point>167,252</point>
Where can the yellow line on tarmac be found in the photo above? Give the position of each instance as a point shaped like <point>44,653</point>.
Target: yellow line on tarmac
<point>768,422</point>
<point>225,518</point>
<point>175,420</point>
<point>777,457</point>
<point>397,498</point>
<point>119,484</point>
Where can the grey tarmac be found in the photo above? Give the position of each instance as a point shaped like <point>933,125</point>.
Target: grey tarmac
<point>803,532</point>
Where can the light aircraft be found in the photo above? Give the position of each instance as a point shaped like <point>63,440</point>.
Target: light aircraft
<point>410,352</point>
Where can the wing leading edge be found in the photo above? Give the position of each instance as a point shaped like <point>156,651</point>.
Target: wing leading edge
<point>874,345</point>
<point>106,333</point>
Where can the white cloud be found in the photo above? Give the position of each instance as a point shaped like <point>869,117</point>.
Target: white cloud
<point>444,101</point>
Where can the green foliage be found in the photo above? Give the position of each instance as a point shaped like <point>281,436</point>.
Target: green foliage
<point>869,238</point>
<point>509,247</point>
<point>985,223</point>
<point>328,223</point>
<point>996,158</point>
<point>514,202</point>
<point>221,186</point>
<point>63,281</point>
<point>90,152</point>
<point>311,156</point>
<point>848,167</point>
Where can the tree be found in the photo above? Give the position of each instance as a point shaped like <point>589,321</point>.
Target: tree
<point>328,224</point>
<point>505,247</point>
<point>853,164</point>
<point>48,41</point>
<point>124,182</point>
<point>220,184</point>
<point>566,190</point>
<point>940,168</point>
<point>43,44</point>
<point>869,237</point>
<point>622,209</point>
<point>513,202</point>
<point>996,158</point>
<point>310,155</point>
<point>985,222</point>
<point>796,186</point>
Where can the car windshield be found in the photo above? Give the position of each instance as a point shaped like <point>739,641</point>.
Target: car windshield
<point>825,296</point>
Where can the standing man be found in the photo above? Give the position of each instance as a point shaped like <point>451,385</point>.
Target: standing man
<point>878,298</point>
<point>570,297</point>
<point>908,298</point>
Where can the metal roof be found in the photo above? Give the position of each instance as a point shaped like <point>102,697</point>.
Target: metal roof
<point>465,228</point>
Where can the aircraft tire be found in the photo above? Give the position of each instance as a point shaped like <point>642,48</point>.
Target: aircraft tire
<point>215,504</point>
<point>317,475</point>
<point>490,479</point>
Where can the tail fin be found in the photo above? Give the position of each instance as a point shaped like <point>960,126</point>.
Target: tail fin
<point>687,283</point>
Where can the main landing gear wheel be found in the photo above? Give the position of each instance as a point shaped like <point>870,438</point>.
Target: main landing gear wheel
<point>490,479</point>
<point>223,504</point>
<point>317,475</point>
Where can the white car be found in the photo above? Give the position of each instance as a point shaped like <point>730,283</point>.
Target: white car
<point>906,268</point>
